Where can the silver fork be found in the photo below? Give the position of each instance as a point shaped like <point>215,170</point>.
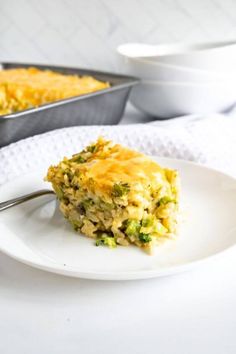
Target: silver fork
<point>24,198</point>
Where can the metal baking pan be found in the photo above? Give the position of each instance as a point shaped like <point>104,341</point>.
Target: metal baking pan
<point>101,107</point>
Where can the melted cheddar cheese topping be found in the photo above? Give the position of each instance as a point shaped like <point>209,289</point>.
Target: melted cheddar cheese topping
<point>126,166</point>
<point>27,88</point>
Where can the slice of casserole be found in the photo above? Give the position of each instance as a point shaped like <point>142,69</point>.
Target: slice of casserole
<point>117,196</point>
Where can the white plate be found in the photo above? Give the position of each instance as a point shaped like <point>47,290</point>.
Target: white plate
<point>35,232</point>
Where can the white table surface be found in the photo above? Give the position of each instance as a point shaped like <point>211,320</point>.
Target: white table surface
<point>193,312</point>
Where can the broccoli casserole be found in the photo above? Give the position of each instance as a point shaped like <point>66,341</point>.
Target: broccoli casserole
<point>117,196</point>
<point>24,88</point>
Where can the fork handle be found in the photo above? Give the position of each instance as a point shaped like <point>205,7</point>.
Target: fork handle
<point>24,198</point>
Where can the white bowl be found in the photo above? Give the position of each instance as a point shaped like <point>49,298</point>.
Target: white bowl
<point>150,70</point>
<point>218,57</point>
<point>168,100</point>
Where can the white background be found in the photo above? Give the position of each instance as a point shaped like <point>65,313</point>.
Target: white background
<point>86,32</point>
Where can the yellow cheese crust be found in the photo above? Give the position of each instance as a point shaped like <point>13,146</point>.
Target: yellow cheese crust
<point>27,88</point>
<point>110,164</point>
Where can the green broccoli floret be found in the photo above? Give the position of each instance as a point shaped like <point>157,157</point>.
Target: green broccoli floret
<point>99,242</point>
<point>132,228</point>
<point>69,174</point>
<point>87,203</point>
<point>145,238</point>
<point>148,222</point>
<point>84,206</point>
<point>92,148</point>
<point>80,159</point>
<point>165,200</point>
<point>106,241</point>
<point>120,189</point>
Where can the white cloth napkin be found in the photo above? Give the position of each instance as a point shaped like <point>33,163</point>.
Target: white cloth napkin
<point>209,140</point>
